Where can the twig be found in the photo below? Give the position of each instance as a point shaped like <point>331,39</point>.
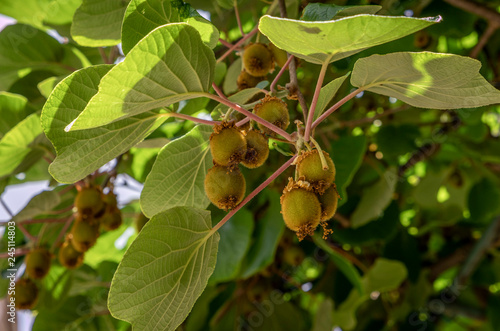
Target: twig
<point>25,232</point>
<point>238,20</point>
<point>254,193</point>
<point>63,231</point>
<point>189,118</point>
<point>240,42</point>
<point>32,221</point>
<point>103,55</point>
<point>364,120</point>
<point>18,252</point>
<point>336,106</point>
<point>280,73</point>
<point>225,43</point>
<point>314,101</point>
<point>218,90</point>
<point>490,30</point>
<point>344,221</point>
<point>7,209</point>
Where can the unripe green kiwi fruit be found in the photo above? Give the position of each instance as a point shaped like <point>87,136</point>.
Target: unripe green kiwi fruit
<point>84,234</point>
<point>245,80</point>
<point>38,263</point>
<point>300,208</point>
<point>329,201</point>
<point>68,256</point>
<point>257,149</point>
<point>225,188</point>
<point>140,221</point>
<point>279,55</point>
<point>310,167</point>
<point>111,219</point>
<point>26,294</point>
<point>88,201</point>
<point>273,110</point>
<point>258,59</point>
<point>227,144</point>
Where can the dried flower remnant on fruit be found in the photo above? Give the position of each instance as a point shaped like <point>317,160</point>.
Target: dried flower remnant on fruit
<point>257,149</point>
<point>258,59</point>
<point>26,294</point>
<point>245,80</point>
<point>300,208</point>
<point>38,263</point>
<point>310,167</point>
<point>273,110</point>
<point>225,188</point>
<point>227,144</point>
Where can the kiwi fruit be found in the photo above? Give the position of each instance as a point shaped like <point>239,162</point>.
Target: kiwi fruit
<point>245,80</point>
<point>329,201</point>
<point>38,263</point>
<point>258,59</point>
<point>293,256</point>
<point>68,256</point>
<point>84,234</point>
<point>112,217</point>
<point>227,144</point>
<point>273,110</point>
<point>279,55</point>
<point>225,188</point>
<point>140,221</point>
<point>310,167</point>
<point>88,201</point>
<point>300,208</point>
<point>26,294</point>
<point>257,149</point>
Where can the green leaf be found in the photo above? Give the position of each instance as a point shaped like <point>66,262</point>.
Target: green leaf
<point>323,320</point>
<point>143,16</point>
<point>98,23</point>
<point>82,152</point>
<point>375,199</point>
<point>268,232</point>
<point>235,238</point>
<point>165,270</point>
<point>178,174</point>
<point>426,80</point>
<point>349,271</point>
<point>347,153</point>
<point>326,12</point>
<point>24,49</point>
<point>171,64</point>
<point>385,275</point>
<point>18,147</point>
<point>39,204</point>
<point>105,249</point>
<point>56,286</point>
<point>67,317</point>
<point>392,148</point>
<point>483,200</point>
<point>327,93</point>
<point>47,86</point>
<point>320,42</point>
<point>13,109</point>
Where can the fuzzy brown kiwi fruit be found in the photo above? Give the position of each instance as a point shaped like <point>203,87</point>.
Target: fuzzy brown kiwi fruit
<point>257,149</point>
<point>224,187</point>
<point>84,234</point>
<point>273,110</point>
<point>310,167</point>
<point>88,201</point>
<point>227,144</point>
<point>112,217</point>
<point>279,55</point>
<point>140,221</point>
<point>300,208</point>
<point>245,80</point>
<point>329,201</point>
<point>26,294</point>
<point>258,59</point>
<point>38,263</point>
<point>68,256</point>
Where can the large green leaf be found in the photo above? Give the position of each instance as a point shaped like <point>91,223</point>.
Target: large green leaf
<point>143,16</point>
<point>385,275</point>
<point>98,22</point>
<point>40,12</point>
<point>327,93</point>
<point>39,204</point>
<point>24,49</point>
<point>426,80</point>
<point>328,41</point>
<point>82,152</point>
<point>178,174</point>
<point>171,64</point>
<point>13,109</point>
<point>235,238</point>
<point>165,270</point>
<point>327,12</point>
<point>375,199</point>
<point>19,145</point>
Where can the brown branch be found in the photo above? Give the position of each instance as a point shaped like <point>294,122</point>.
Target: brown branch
<point>484,40</point>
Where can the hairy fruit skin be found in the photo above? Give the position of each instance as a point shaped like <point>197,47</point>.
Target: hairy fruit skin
<point>329,201</point>
<point>257,149</point>
<point>273,110</point>
<point>26,294</point>
<point>38,263</point>
<point>300,208</point>
<point>310,167</point>
<point>84,234</point>
<point>140,221</point>
<point>227,145</point>
<point>225,188</point>
<point>245,80</point>
<point>111,220</point>
<point>89,202</point>
<point>69,257</point>
<point>258,59</point>
<point>279,55</point>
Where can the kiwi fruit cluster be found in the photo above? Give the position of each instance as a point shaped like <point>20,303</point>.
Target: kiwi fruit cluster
<point>312,199</point>
<point>259,59</point>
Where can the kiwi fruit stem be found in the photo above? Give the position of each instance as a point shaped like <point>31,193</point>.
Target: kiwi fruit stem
<point>321,155</point>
